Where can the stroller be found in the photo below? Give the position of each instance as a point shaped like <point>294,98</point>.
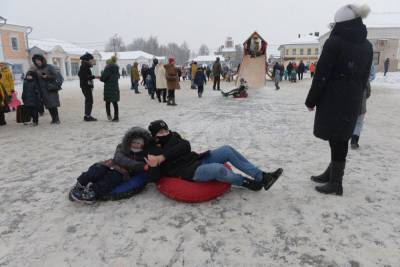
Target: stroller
<point>240,92</point>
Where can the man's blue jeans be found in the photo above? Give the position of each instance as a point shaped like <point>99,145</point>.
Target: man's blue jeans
<point>212,167</point>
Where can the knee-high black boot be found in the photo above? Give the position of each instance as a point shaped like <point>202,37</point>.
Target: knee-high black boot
<point>324,177</point>
<point>334,186</point>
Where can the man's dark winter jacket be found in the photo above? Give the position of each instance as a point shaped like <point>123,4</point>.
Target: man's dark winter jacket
<point>340,80</point>
<point>85,76</point>
<point>180,161</point>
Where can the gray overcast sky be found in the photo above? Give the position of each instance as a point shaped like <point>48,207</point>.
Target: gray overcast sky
<point>92,22</point>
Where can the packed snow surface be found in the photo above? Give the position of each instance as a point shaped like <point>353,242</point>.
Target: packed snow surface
<point>289,225</point>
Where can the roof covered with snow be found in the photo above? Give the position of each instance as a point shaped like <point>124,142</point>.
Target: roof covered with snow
<point>228,49</point>
<point>207,58</point>
<point>305,39</point>
<point>128,55</point>
<point>49,45</point>
<point>383,20</point>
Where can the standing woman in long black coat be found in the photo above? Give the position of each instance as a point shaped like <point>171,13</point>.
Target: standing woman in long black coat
<point>337,90</point>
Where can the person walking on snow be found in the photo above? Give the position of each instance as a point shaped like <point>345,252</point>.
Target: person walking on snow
<point>217,70</point>
<point>386,66</point>
<point>300,70</point>
<point>110,77</point>
<point>337,90</point>
<point>200,79</point>
<point>135,78</point>
<point>171,75</point>
<point>47,77</point>
<point>312,70</point>
<point>360,120</point>
<point>276,72</point>
<point>161,83</point>
<point>86,83</point>
<point>31,95</point>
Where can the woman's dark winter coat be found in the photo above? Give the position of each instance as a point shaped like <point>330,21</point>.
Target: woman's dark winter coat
<point>180,160</point>
<point>85,76</point>
<point>340,80</point>
<point>31,93</point>
<point>110,78</point>
<point>50,98</point>
<point>125,161</point>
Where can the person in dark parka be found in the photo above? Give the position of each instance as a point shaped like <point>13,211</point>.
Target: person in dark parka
<point>31,95</point>
<point>86,82</point>
<point>102,177</point>
<point>47,75</point>
<point>300,70</point>
<point>110,78</point>
<point>337,90</point>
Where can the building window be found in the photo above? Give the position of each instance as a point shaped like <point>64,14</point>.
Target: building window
<point>294,52</point>
<point>376,58</point>
<point>316,51</point>
<point>382,43</point>
<point>309,51</point>
<point>301,51</point>
<point>17,69</point>
<point>74,68</point>
<point>287,52</point>
<point>14,43</point>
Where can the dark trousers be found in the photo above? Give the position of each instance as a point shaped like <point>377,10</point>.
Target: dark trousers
<point>163,93</point>
<point>108,110</point>
<point>34,113</point>
<point>217,81</point>
<point>2,117</point>
<point>171,94</point>
<point>88,93</point>
<point>104,180</point>
<point>312,74</point>
<point>200,89</point>
<point>135,86</point>
<point>339,150</point>
<point>54,114</point>
<point>300,75</point>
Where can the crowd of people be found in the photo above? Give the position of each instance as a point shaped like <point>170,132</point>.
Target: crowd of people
<point>339,91</point>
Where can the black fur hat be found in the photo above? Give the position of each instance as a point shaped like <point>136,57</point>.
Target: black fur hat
<point>156,126</point>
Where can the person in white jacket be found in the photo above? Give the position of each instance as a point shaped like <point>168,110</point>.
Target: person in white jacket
<point>161,81</point>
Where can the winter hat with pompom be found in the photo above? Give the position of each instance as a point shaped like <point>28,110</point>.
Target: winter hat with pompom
<point>350,12</point>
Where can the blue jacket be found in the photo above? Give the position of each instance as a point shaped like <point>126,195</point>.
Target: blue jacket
<point>200,78</point>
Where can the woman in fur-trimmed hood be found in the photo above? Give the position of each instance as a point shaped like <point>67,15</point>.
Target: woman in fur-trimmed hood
<point>102,177</point>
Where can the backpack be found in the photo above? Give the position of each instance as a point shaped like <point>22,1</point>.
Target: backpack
<point>57,84</point>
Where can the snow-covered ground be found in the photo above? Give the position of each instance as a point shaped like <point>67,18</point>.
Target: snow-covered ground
<point>290,225</point>
<point>391,80</point>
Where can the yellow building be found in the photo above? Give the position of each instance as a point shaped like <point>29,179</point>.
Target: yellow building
<point>13,47</point>
<point>304,48</point>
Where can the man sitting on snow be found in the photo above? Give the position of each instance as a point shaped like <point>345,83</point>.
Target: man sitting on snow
<point>238,92</point>
<point>172,156</point>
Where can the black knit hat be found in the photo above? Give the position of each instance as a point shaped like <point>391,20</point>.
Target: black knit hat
<point>156,126</point>
<point>87,56</point>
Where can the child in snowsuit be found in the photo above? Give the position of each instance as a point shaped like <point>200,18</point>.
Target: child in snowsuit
<point>293,76</point>
<point>31,96</point>
<point>102,177</point>
<point>200,79</point>
<point>4,99</point>
<point>240,91</point>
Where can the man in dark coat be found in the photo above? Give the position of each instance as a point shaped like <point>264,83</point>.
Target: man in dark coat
<point>47,76</point>
<point>337,90</point>
<point>86,82</point>
<point>172,156</point>
<point>217,70</point>
<point>386,65</point>
<point>301,69</point>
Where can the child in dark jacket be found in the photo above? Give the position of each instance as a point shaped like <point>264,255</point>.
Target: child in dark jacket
<point>102,177</point>
<point>31,95</point>
<point>200,79</point>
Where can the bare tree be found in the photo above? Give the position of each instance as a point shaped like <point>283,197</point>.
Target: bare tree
<point>115,44</point>
<point>203,50</point>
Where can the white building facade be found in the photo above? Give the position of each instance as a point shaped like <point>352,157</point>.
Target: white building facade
<point>305,48</point>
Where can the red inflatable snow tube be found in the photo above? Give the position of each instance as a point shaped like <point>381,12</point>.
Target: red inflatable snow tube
<point>191,192</point>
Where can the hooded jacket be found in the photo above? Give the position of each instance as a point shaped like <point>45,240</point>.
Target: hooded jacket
<point>7,79</point>
<point>85,76</point>
<point>340,80</point>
